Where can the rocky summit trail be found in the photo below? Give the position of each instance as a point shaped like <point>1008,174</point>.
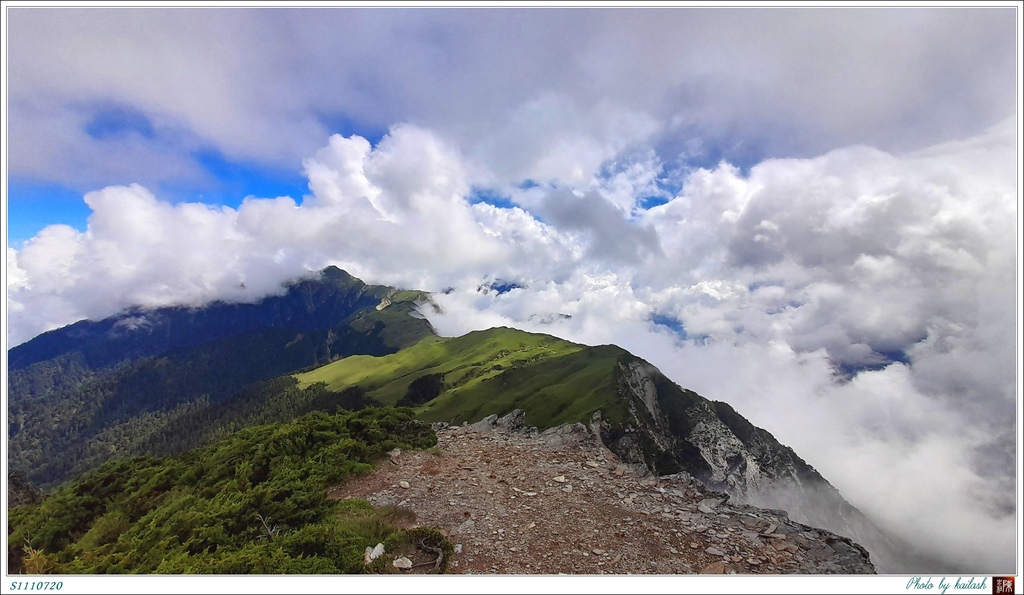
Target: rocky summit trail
<point>518,501</point>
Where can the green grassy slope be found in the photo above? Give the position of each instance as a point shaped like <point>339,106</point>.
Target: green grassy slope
<point>491,371</point>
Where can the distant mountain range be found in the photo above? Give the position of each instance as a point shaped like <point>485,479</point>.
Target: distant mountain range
<point>162,381</point>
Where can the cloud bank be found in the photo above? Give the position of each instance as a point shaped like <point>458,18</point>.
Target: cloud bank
<point>102,96</point>
<point>859,304</point>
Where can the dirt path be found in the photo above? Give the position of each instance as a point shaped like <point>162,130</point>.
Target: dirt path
<point>559,502</point>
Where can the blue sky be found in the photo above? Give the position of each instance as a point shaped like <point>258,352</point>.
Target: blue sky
<point>32,204</point>
<point>809,213</point>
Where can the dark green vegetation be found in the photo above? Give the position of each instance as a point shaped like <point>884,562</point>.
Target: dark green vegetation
<point>161,381</point>
<point>255,502</point>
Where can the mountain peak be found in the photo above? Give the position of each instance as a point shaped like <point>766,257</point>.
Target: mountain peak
<point>333,273</point>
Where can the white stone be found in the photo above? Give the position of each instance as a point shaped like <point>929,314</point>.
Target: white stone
<point>402,563</point>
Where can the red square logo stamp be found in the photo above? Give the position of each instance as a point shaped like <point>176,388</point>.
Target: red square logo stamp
<point>1003,584</point>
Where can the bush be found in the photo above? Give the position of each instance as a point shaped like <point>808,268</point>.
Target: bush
<point>255,502</point>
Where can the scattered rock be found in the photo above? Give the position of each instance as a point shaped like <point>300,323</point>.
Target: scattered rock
<point>714,551</point>
<point>707,505</point>
<point>511,422</point>
<point>372,553</point>
<point>402,563</point>
<point>560,479</point>
<point>803,542</point>
<point>562,436</point>
<point>486,423</point>
<point>821,553</point>
<point>403,484</point>
<point>714,568</point>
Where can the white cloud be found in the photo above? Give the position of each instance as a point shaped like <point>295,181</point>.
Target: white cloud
<point>396,213</point>
<point>782,274</point>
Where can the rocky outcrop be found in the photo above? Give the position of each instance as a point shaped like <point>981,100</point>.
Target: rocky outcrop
<point>670,429</point>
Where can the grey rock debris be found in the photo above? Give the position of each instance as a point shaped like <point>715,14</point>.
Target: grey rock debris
<point>496,491</point>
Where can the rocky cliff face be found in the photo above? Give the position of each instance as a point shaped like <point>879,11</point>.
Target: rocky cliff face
<point>671,429</point>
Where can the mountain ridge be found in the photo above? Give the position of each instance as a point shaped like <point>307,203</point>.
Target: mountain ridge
<point>640,415</point>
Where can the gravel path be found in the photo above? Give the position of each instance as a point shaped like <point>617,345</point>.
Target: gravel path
<point>559,502</point>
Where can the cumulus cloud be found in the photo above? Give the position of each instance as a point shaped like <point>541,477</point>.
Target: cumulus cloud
<point>396,213</point>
